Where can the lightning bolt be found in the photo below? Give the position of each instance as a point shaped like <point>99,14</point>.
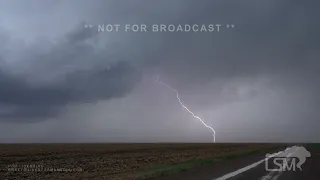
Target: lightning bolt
<point>186,108</point>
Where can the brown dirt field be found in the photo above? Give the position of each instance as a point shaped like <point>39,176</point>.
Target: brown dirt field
<point>101,161</point>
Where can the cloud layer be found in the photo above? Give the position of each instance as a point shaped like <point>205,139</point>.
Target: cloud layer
<point>263,73</point>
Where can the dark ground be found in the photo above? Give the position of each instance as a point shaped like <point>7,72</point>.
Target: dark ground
<point>310,170</point>
<point>105,161</point>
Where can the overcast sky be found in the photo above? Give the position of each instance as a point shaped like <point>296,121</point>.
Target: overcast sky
<point>62,82</point>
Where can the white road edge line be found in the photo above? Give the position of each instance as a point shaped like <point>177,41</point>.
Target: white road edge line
<point>239,171</point>
<point>274,175</point>
<point>280,172</point>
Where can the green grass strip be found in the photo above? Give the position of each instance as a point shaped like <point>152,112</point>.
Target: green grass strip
<point>159,170</point>
<point>314,145</point>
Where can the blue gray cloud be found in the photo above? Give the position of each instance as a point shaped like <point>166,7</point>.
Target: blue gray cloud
<point>49,62</point>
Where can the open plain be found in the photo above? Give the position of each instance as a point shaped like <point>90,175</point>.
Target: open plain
<point>113,161</point>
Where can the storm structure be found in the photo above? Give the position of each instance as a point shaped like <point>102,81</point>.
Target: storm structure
<point>63,82</point>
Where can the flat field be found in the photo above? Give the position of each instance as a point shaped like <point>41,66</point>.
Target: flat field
<point>111,161</point>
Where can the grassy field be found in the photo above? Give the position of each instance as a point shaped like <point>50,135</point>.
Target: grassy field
<point>112,161</point>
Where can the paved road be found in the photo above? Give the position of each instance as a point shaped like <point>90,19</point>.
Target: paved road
<point>310,170</point>
<point>252,168</point>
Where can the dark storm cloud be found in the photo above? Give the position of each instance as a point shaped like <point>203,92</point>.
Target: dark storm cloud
<point>271,38</point>
<point>32,102</point>
<point>84,86</point>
